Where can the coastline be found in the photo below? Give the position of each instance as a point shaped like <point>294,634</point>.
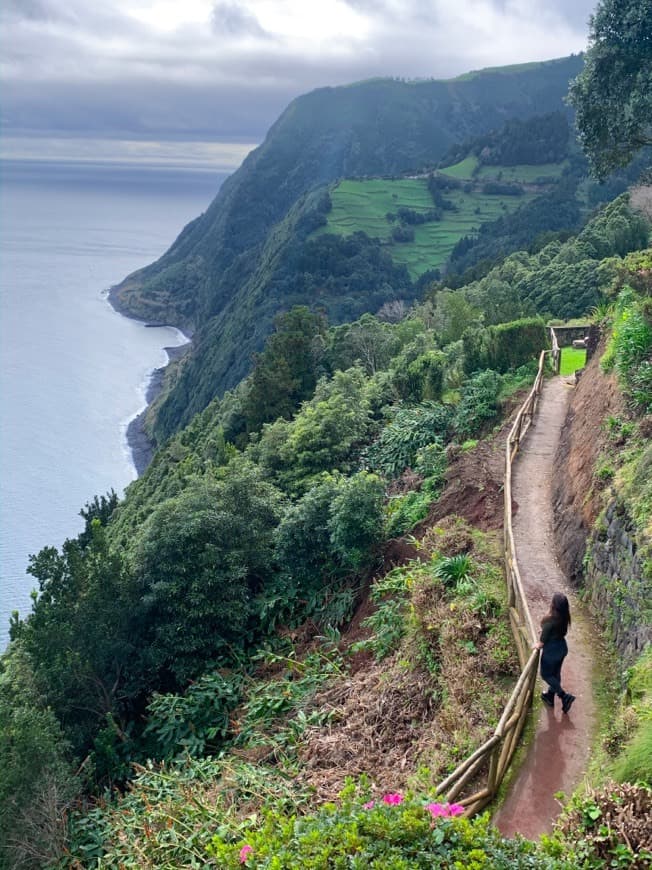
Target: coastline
<point>140,445</point>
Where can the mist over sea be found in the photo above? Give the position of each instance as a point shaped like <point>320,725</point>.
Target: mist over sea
<point>72,371</point>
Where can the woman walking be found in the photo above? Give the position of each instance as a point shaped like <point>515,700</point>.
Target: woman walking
<point>554,626</point>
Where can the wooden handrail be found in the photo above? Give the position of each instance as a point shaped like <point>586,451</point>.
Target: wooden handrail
<point>498,750</point>
<point>555,353</point>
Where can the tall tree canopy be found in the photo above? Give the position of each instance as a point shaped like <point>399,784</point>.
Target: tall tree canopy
<point>613,94</point>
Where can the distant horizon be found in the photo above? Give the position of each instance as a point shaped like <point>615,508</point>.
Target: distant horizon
<point>222,71</point>
<point>177,153</point>
<point>222,157</point>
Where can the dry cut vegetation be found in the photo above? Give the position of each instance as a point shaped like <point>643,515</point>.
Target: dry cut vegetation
<point>442,671</point>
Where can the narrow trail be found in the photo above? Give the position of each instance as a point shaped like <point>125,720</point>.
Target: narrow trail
<point>558,755</point>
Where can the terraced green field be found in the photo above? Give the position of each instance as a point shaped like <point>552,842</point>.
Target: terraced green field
<point>462,170</point>
<point>363,205</point>
<point>526,174</point>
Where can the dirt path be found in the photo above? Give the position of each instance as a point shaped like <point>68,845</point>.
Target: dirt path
<point>558,755</point>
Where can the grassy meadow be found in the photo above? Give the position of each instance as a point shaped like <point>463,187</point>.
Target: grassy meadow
<point>467,170</point>
<point>571,360</point>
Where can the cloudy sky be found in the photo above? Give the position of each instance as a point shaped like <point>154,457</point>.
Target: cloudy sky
<point>200,81</point>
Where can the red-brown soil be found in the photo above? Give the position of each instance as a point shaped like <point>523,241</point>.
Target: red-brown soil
<point>576,491</point>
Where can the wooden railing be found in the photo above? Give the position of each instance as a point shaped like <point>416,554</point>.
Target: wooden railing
<point>490,761</point>
<point>555,353</point>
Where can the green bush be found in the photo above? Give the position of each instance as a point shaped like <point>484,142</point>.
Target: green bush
<point>405,511</point>
<point>37,784</point>
<point>630,348</point>
<point>325,435</point>
<point>479,404</point>
<point>431,462</point>
<point>424,377</point>
<point>356,520</point>
<point>201,559</point>
<point>330,534</point>
<point>411,429</point>
<point>189,722</point>
<point>504,346</point>
<point>395,832</point>
<point>453,571</point>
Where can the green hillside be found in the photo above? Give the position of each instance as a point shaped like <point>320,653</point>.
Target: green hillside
<point>363,205</point>
<point>244,260</point>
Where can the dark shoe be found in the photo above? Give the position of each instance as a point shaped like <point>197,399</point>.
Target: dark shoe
<point>567,702</point>
<point>548,699</point>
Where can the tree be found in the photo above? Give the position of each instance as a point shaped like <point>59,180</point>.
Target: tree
<point>324,435</point>
<point>613,94</point>
<point>285,373</point>
<point>36,786</point>
<point>82,635</point>
<point>201,559</point>
<point>368,340</point>
<point>453,314</point>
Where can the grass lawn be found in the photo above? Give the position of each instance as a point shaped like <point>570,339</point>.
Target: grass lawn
<point>571,360</point>
<point>462,170</point>
<point>363,205</point>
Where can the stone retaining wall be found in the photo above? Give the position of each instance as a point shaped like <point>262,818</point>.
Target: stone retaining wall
<point>615,581</point>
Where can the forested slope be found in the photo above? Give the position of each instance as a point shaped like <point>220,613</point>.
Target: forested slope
<point>295,622</point>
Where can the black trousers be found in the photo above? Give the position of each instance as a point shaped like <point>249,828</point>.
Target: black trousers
<point>552,658</point>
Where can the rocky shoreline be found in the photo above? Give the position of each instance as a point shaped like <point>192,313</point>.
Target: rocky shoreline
<point>141,446</point>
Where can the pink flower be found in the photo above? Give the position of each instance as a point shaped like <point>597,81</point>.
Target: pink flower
<point>437,810</point>
<point>245,852</point>
<point>393,798</point>
<point>455,809</point>
<point>369,805</point>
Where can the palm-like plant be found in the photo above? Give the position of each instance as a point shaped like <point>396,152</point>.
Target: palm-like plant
<point>454,570</point>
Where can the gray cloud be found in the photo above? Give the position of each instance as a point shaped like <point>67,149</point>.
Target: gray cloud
<point>235,20</point>
<point>35,10</point>
<point>74,68</point>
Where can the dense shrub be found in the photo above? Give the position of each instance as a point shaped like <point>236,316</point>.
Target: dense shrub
<point>422,378</point>
<point>478,404</point>
<point>630,348</point>
<point>37,783</point>
<point>397,832</point>
<point>403,233</point>
<point>329,534</point>
<point>609,827</point>
<point>201,559</point>
<point>410,430</point>
<point>514,344</point>
<point>188,723</point>
<point>504,346</point>
<point>324,436</point>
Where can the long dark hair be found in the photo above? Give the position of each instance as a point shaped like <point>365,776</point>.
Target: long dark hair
<point>559,612</point>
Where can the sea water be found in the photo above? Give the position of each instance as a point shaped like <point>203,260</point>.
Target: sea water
<point>73,372</point>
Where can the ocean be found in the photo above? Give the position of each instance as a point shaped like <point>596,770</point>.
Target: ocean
<point>73,372</point>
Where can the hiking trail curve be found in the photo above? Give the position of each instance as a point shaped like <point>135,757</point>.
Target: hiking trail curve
<point>558,754</point>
